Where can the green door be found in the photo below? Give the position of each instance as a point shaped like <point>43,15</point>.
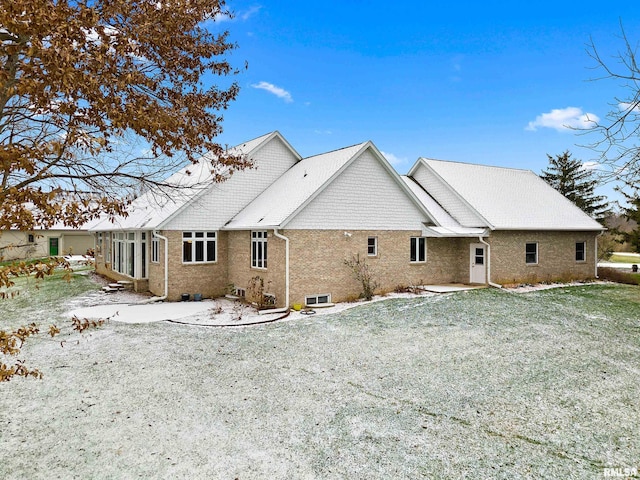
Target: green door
<point>53,247</point>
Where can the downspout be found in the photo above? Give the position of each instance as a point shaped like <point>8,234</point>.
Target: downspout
<point>596,254</point>
<point>495,285</point>
<point>286,276</point>
<point>166,269</point>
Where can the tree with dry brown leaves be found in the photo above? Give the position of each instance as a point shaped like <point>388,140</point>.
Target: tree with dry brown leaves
<point>99,100</point>
<point>100,97</point>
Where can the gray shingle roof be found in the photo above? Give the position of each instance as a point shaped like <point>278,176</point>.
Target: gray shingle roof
<point>510,199</point>
<point>156,206</point>
<point>287,194</point>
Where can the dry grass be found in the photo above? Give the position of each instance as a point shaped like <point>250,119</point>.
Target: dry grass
<point>619,276</point>
<point>478,384</point>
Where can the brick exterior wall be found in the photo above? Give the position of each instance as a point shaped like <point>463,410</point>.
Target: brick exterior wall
<point>207,279</point>
<point>241,272</point>
<point>556,256</point>
<point>317,262</point>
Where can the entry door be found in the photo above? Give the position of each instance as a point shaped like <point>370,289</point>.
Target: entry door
<point>53,246</point>
<point>478,263</point>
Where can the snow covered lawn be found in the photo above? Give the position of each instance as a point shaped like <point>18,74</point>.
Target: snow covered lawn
<point>477,384</point>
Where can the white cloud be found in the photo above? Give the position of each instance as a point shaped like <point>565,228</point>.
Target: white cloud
<point>221,17</point>
<point>250,13</point>
<point>393,159</point>
<point>277,91</point>
<point>590,166</point>
<point>244,15</point>
<point>624,106</point>
<point>562,119</point>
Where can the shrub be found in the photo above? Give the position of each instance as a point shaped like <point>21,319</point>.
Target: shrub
<point>619,276</point>
<point>362,272</point>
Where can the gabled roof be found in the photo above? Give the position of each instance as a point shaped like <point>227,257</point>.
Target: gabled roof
<point>508,198</point>
<point>159,205</point>
<point>302,183</point>
<point>288,194</point>
<point>446,225</point>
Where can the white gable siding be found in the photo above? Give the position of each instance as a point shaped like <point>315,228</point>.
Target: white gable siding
<point>222,201</point>
<point>456,207</point>
<point>363,197</point>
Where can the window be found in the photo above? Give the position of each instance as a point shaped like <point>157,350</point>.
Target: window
<point>155,249</point>
<point>531,253</point>
<point>31,238</point>
<point>259,249</point>
<point>581,251</point>
<point>372,246</point>
<point>198,247</point>
<point>317,299</point>
<point>478,257</point>
<point>418,249</point>
<point>123,253</point>
<point>143,251</point>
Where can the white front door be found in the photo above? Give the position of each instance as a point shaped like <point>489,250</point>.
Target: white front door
<point>478,253</point>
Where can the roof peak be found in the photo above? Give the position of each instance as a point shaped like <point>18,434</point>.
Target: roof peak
<point>337,150</point>
<point>426,159</point>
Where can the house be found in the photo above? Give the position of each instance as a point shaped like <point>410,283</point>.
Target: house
<point>40,243</point>
<point>172,240</point>
<point>533,233</point>
<point>293,222</point>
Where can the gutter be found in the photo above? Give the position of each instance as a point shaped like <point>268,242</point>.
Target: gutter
<point>286,266</point>
<point>166,269</point>
<point>489,282</point>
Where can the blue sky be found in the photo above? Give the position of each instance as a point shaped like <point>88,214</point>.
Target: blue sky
<point>481,82</point>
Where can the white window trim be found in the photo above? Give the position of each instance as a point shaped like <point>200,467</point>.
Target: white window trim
<point>260,243</point>
<point>584,252</point>
<point>155,249</point>
<point>375,247</point>
<point>205,239</point>
<point>537,253</point>
<point>122,261</point>
<point>416,239</point>
<point>316,296</point>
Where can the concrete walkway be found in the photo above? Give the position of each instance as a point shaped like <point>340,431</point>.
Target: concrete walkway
<point>222,311</point>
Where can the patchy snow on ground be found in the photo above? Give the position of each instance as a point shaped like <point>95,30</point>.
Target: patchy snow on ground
<point>525,288</point>
<point>471,384</point>
<point>129,307</point>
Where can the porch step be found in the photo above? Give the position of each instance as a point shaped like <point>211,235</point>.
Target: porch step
<point>109,289</point>
<point>128,284</point>
<point>116,286</point>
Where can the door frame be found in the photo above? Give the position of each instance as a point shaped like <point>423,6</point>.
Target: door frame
<point>475,269</point>
<point>53,240</point>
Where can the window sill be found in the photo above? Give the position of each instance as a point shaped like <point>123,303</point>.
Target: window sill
<point>320,305</point>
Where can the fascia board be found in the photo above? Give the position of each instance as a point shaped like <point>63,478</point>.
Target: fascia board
<point>455,192</point>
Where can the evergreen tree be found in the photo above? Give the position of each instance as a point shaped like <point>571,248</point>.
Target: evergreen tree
<point>631,213</point>
<point>571,179</point>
